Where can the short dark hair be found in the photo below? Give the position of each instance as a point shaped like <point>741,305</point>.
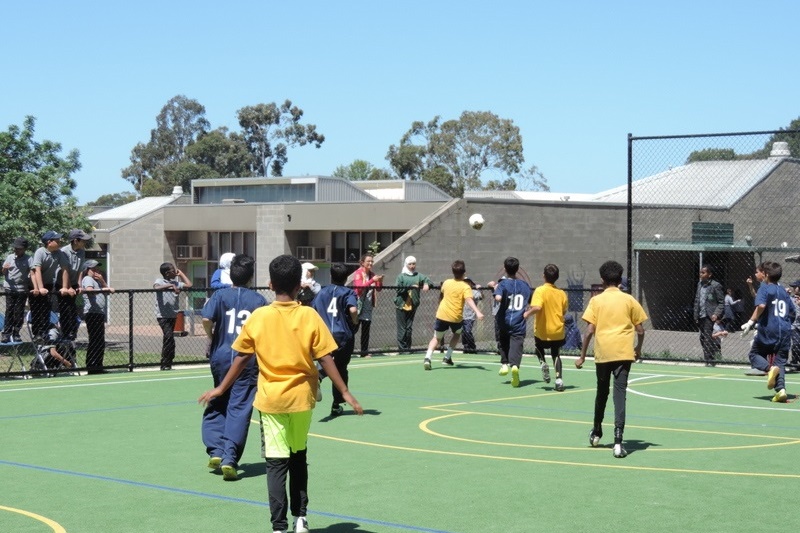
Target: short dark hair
<point>550,273</point>
<point>459,268</point>
<point>708,268</point>
<point>242,268</point>
<point>165,267</point>
<point>285,272</point>
<point>511,265</point>
<point>338,273</point>
<point>773,270</point>
<point>611,273</point>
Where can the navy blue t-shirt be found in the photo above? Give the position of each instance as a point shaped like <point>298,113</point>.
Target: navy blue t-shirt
<point>228,309</point>
<point>516,297</point>
<point>775,323</point>
<point>333,303</point>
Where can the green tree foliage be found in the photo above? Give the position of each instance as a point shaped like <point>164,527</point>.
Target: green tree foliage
<point>179,124</point>
<point>712,154</point>
<point>360,170</point>
<point>269,131</point>
<point>36,186</point>
<point>454,154</point>
<point>114,200</point>
<point>788,135</point>
<point>223,152</point>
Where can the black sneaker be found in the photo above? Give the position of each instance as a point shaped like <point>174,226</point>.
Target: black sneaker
<point>447,361</point>
<point>5,339</point>
<point>337,410</point>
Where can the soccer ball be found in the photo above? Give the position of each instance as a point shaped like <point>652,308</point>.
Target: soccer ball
<point>476,221</point>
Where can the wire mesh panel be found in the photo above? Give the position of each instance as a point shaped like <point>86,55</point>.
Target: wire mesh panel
<point>717,203</point>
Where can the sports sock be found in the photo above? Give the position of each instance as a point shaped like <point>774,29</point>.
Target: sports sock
<point>449,353</point>
<point>428,354</point>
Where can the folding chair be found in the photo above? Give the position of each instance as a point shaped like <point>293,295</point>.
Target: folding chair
<point>12,349</point>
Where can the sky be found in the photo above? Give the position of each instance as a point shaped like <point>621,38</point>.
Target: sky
<point>575,77</point>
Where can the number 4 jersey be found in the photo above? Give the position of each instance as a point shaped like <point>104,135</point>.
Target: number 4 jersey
<point>228,309</point>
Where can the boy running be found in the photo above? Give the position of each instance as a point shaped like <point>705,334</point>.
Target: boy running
<point>285,338</point>
<point>338,307</point>
<point>549,304</point>
<point>226,419</point>
<point>774,314</point>
<point>454,293</point>
<point>512,295</point>
<point>614,317</point>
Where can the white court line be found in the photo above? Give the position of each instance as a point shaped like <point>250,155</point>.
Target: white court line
<point>100,384</point>
<point>697,402</point>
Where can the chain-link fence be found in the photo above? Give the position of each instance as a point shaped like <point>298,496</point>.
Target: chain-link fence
<point>134,338</point>
<point>726,202</point>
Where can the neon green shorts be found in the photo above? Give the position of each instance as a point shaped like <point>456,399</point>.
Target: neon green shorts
<point>282,433</point>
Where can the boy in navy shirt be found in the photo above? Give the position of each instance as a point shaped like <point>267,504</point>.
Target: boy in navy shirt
<point>226,418</point>
<point>774,314</point>
<point>338,307</point>
<point>514,296</point>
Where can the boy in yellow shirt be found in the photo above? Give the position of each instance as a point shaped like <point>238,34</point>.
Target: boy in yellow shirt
<point>615,318</point>
<point>549,304</point>
<point>286,338</point>
<point>454,294</point>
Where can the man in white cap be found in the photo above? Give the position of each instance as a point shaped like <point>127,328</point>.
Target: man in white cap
<point>309,287</point>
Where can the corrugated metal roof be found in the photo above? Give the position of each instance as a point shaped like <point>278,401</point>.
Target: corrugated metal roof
<point>717,184</point>
<point>135,209</point>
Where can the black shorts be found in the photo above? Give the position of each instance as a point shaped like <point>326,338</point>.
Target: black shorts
<point>442,325</point>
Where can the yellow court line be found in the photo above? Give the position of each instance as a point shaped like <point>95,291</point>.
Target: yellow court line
<point>425,423</point>
<point>562,463</point>
<point>53,525</point>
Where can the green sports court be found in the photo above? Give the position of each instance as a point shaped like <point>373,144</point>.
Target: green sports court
<point>456,449</point>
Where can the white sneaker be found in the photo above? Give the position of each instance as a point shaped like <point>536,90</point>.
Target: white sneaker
<point>426,364</point>
<point>301,525</point>
<point>619,451</point>
<point>503,370</point>
<point>559,385</point>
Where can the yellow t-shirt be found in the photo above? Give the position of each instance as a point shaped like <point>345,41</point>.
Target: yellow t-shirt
<point>286,338</point>
<point>549,322</point>
<point>454,292</point>
<point>614,315</point>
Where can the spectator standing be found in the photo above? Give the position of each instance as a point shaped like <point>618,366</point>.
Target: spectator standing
<point>467,334</point>
<point>168,288</point>
<point>16,284</point>
<point>795,288</point>
<point>615,318</point>
<point>95,288</point>
<point>309,287</point>
<point>47,261</point>
<point>226,419</point>
<point>409,283</point>
<point>709,305</point>
<point>221,278</point>
<point>67,304</point>
<point>572,335</point>
<point>366,284</point>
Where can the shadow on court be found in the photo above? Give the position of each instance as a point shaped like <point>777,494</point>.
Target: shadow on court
<point>344,527</point>
<point>371,412</point>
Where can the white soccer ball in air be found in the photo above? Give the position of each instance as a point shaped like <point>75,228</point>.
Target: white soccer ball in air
<point>476,221</point>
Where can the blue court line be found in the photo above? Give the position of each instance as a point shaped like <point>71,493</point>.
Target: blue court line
<point>99,410</point>
<point>186,492</point>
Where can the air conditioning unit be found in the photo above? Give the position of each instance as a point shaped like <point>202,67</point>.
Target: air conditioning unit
<point>191,251</point>
<point>313,253</point>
